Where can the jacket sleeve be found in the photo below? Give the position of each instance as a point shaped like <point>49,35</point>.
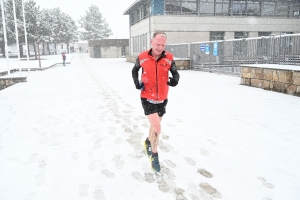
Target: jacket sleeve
<point>135,72</point>
<point>174,71</point>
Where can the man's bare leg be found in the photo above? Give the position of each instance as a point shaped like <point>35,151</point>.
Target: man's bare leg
<point>154,131</point>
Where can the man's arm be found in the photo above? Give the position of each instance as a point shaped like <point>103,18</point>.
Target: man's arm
<point>175,75</point>
<point>135,74</point>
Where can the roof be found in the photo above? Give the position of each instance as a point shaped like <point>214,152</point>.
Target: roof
<point>109,42</point>
<point>133,6</point>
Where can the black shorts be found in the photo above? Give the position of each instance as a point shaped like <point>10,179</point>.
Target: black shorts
<point>150,108</point>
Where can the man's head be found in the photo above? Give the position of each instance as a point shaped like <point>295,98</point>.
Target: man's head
<point>158,43</point>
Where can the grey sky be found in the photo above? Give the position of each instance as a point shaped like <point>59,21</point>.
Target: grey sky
<point>112,11</point>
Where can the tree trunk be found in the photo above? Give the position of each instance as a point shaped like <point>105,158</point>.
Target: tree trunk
<point>28,50</point>
<point>3,49</point>
<point>68,48</point>
<point>34,47</point>
<point>55,48</point>
<point>48,47</point>
<point>21,50</point>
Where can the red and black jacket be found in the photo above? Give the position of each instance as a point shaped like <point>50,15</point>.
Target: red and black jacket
<point>155,74</point>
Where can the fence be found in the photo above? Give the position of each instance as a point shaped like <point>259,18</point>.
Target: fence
<point>226,56</point>
<point>178,50</point>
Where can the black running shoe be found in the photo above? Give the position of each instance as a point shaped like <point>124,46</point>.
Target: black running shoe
<point>147,146</point>
<point>155,163</point>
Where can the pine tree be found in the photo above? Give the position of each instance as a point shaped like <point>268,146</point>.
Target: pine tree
<point>10,23</point>
<point>94,25</point>
<point>68,32</point>
<point>2,44</point>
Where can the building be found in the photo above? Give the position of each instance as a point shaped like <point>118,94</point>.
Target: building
<point>108,48</point>
<point>186,21</point>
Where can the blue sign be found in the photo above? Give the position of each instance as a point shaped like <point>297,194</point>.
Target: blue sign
<point>202,47</point>
<point>207,49</point>
<point>215,50</point>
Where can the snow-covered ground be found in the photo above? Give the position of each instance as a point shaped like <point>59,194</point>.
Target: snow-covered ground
<point>76,132</point>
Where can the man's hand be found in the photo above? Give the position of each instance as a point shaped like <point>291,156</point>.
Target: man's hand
<point>138,85</point>
<point>172,82</point>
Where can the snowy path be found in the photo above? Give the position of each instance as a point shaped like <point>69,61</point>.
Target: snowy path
<point>76,132</point>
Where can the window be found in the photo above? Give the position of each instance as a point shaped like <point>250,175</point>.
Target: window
<point>282,9</point>
<point>207,7</point>
<point>181,7</point>
<point>239,7</point>
<point>296,10</point>
<point>172,7</point>
<point>261,34</point>
<point>268,9</point>
<point>241,35</point>
<point>216,35</point>
<point>221,7</point>
<point>146,9</point>
<point>253,8</point>
<point>189,7</point>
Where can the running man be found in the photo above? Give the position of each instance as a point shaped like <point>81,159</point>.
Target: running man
<point>154,85</point>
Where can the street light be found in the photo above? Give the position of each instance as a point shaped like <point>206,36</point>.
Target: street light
<point>38,42</point>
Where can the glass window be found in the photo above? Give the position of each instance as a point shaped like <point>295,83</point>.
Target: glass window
<point>261,34</point>
<point>282,9</point>
<point>172,7</point>
<point>253,8</point>
<point>241,35</point>
<point>296,10</point>
<point>146,9</point>
<point>207,7</point>
<point>189,7</point>
<point>222,8</point>
<point>216,35</point>
<point>239,7</point>
<point>268,9</point>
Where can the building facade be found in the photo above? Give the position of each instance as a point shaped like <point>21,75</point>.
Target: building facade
<point>186,21</point>
<point>108,48</point>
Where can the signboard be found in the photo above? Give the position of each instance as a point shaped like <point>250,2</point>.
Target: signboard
<point>207,49</point>
<point>215,49</point>
<point>202,47</point>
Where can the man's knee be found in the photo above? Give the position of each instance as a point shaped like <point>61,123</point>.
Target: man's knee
<point>156,127</point>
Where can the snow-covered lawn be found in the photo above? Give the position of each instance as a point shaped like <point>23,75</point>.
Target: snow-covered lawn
<point>76,132</point>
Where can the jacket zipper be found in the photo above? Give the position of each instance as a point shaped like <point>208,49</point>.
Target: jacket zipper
<point>156,82</point>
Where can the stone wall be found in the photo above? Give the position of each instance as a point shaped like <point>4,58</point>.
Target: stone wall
<point>181,64</point>
<point>279,80</point>
<point>6,82</point>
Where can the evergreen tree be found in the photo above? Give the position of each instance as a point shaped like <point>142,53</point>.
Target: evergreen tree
<point>32,16</point>
<point>2,44</point>
<point>94,24</point>
<point>68,32</point>
<point>10,23</point>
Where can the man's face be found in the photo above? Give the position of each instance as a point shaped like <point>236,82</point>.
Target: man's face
<point>158,44</point>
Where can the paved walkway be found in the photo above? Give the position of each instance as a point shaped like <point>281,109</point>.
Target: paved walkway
<point>76,132</point>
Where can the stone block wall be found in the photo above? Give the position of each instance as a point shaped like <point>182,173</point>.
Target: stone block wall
<point>279,80</point>
<point>6,82</point>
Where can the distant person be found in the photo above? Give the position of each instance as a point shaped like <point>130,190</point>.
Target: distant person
<point>64,58</point>
<point>154,85</point>
<point>80,49</point>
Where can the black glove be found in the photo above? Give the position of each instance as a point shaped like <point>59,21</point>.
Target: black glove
<point>138,85</point>
<point>172,82</point>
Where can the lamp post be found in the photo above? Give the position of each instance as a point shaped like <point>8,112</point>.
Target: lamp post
<point>38,42</point>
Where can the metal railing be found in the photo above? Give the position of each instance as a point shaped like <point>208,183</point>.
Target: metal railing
<point>226,56</point>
